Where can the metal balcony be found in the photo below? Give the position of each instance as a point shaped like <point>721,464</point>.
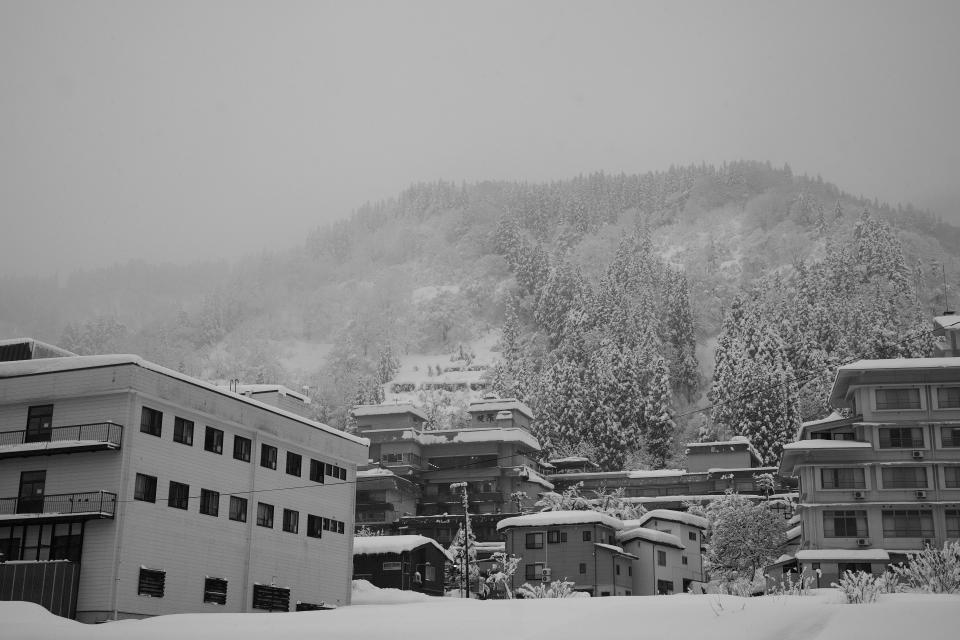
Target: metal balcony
<point>99,436</point>
<point>62,507</point>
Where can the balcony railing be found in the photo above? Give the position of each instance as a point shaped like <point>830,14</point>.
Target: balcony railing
<point>78,437</point>
<point>374,505</point>
<point>93,504</point>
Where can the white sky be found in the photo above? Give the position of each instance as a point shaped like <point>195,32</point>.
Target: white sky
<point>175,131</point>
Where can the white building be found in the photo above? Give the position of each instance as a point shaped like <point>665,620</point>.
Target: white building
<point>144,492</point>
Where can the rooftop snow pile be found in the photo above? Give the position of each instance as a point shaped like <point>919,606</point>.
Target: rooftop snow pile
<point>673,516</point>
<point>650,535</point>
<point>372,545</point>
<point>551,518</point>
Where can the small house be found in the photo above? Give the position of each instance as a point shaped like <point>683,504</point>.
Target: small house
<point>411,563</point>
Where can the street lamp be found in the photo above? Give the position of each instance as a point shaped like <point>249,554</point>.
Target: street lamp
<point>465,588</point>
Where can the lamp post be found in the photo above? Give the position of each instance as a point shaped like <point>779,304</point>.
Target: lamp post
<point>465,588</point>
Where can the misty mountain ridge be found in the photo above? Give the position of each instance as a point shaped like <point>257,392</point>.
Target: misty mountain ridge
<point>426,279</point>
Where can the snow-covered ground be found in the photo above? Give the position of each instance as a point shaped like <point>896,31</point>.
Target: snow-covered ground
<point>388,615</point>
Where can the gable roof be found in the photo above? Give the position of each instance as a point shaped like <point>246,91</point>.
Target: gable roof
<point>650,535</point>
<point>372,545</point>
<point>673,516</point>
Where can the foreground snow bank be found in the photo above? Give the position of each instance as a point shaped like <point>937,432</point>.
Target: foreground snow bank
<point>818,617</point>
<point>366,593</point>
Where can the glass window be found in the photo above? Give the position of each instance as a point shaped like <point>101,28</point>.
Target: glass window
<point>39,423</point>
<point>268,456</point>
<point>907,524</point>
<point>951,477</point>
<point>534,571</point>
<point>587,536</point>
<point>661,558</point>
<point>555,537</point>
<point>238,508</point>
<point>179,495</point>
<point>316,471</point>
<point>265,515</point>
<point>145,488</point>
<point>948,398</point>
<point>241,448</point>
<point>534,541</point>
<point>314,526</point>
<point>842,478</point>
<point>213,441</point>
<point>151,421</point>
<point>209,502</point>
<point>889,399</point>
<point>583,568</point>
<point>291,520</point>
<point>901,438</point>
<point>950,436</point>
<point>845,524</point>
<point>215,590</point>
<point>904,477</point>
<point>953,523</point>
<point>294,462</point>
<point>183,431</point>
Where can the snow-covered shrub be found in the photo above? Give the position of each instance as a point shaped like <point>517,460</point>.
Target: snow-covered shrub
<point>556,589</point>
<point>860,587</point>
<point>498,580</point>
<point>934,570</point>
<point>791,585</point>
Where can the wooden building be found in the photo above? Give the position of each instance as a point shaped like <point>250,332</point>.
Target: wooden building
<point>410,563</point>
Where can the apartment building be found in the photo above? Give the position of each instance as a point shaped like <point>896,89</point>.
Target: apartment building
<point>885,480</point>
<point>680,571</point>
<point>494,454</point>
<point>159,493</point>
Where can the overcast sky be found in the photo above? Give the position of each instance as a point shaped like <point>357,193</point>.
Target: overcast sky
<point>178,131</point>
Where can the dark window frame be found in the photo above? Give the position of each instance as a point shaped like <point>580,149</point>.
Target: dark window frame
<point>210,502</point>
<point>294,466</point>
<point>151,421</point>
<point>268,456</point>
<point>291,521</point>
<point>213,440</point>
<point>265,515</point>
<point>178,495</point>
<point>316,471</point>
<point>236,513</point>
<point>242,448</point>
<point>183,431</point>
<point>151,582</point>
<point>314,526</point>
<point>145,488</point>
<point>534,540</point>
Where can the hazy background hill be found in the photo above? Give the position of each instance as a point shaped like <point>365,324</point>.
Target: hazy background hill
<point>425,279</point>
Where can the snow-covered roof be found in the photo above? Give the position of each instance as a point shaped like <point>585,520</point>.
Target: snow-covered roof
<point>51,348</point>
<point>57,444</point>
<point>72,363</point>
<point>655,473</point>
<point>794,532</point>
<point>495,434</point>
<point>500,404</point>
<point>947,322</point>
<point>735,442</point>
<point>271,388</point>
<point>673,516</point>
<point>556,518</point>
<point>843,554</point>
<point>827,444</point>
<point>375,472</point>
<point>902,363</point>
<point>650,535</point>
<point>399,408</point>
<point>371,545</point>
<point>536,478</point>
<point>615,549</point>
<point>833,417</point>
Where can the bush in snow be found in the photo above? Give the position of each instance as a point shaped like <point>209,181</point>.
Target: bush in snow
<point>933,570</point>
<point>498,580</point>
<point>860,587</point>
<point>743,537</point>
<point>791,585</point>
<point>556,589</point>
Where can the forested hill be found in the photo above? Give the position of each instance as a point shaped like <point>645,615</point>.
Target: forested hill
<point>610,293</point>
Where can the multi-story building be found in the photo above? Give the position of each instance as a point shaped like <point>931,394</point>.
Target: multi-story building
<point>494,453</point>
<point>165,494</point>
<point>886,480</point>
<point>682,571</point>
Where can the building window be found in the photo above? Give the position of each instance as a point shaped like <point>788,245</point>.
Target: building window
<point>535,571</point>
<point>268,456</point>
<point>430,573</point>
<point>854,567</point>
<point>335,471</point>
<point>583,568</point>
<point>271,598</point>
<point>39,423</point>
<point>209,502</point>
<point>893,399</point>
<point>534,541</point>
<point>151,421</point>
<point>314,526</point>
<point>145,488</point>
<point>948,398</point>
<point>953,523</point>
<point>664,587</point>
<point>291,520</point>
<point>910,523</point>
<point>587,536</point>
<point>901,438</point>
<point>215,590</point>
<point>316,471</point>
<point>238,508</point>
<point>294,462</point>
<point>950,436</point>
<point>661,558</point>
<point>151,582</point>
<point>179,495</point>
<point>845,524</point>
<point>213,441</point>
<point>842,478</point>
<point>692,535</point>
<point>617,567</point>
<point>904,477</point>
<point>241,448</point>
<point>683,560</point>
<point>554,537</point>
<point>265,515</point>
<point>951,477</point>
<point>183,431</point>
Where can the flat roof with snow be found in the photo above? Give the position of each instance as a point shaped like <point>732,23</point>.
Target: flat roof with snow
<point>552,518</point>
<point>500,404</point>
<point>842,554</point>
<point>372,545</point>
<point>400,408</point>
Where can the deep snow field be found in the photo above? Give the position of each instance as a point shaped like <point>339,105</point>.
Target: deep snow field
<point>391,615</point>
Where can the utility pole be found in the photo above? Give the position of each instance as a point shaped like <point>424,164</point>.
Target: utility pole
<point>465,588</point>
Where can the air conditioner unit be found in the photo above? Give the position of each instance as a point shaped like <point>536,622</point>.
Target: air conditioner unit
<point>920,493</point>
<point>863,542</point>
<point>545,575</point>
<point>859,495</point>
<point>917,454</point>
